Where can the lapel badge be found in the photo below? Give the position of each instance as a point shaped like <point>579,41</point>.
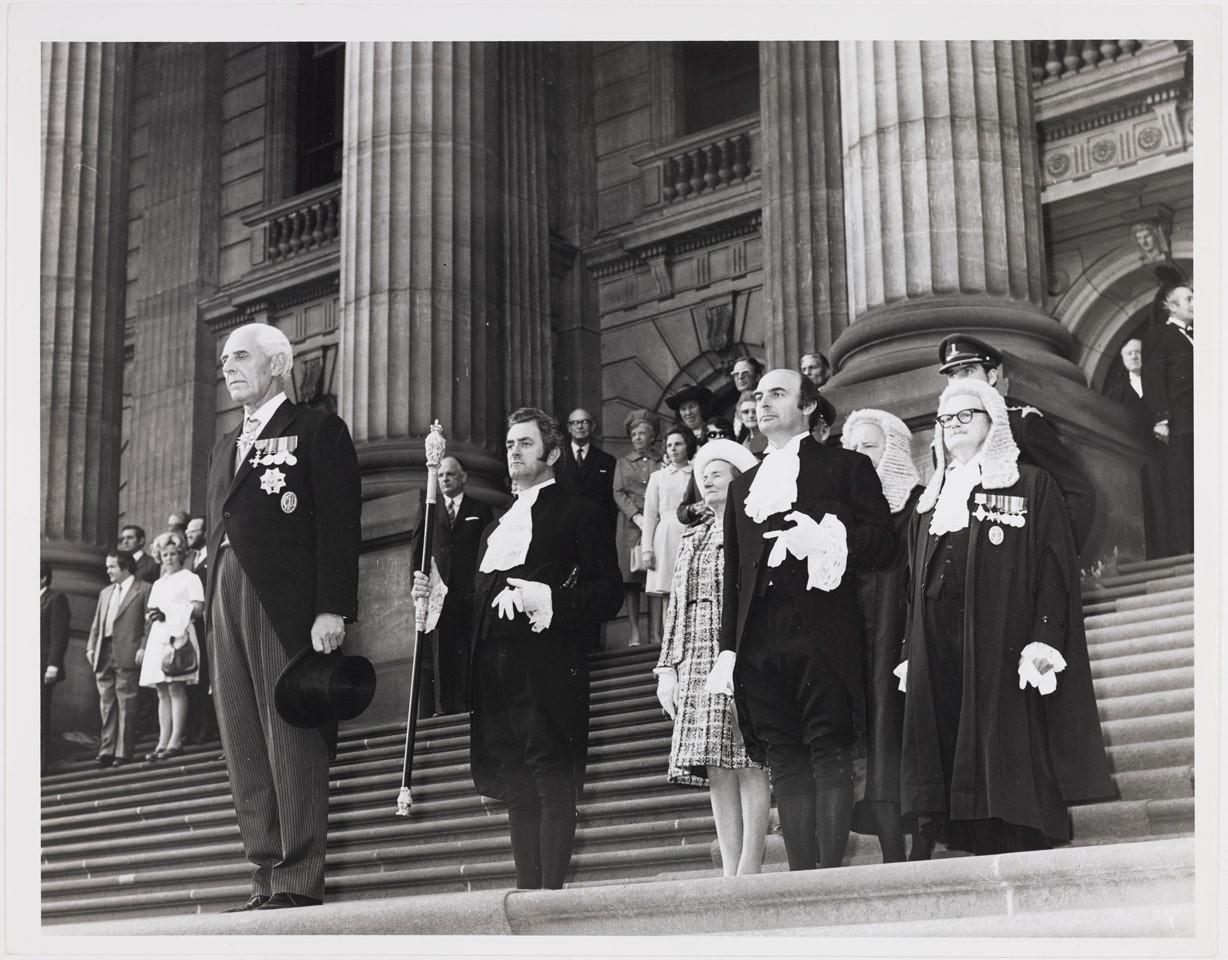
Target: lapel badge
<point>996,536</point>
<point>271,481</point>
<point>289,502</point>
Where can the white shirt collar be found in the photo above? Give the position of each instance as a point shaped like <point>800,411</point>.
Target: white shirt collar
<point>137,554</point>
<point>531,493</point>
<point>793,444</point>
<point>43,591</point>
<point>577,447</point>
<point>265,413</point>
<point>125,584</point>
<point>1136,381</point>
<point>1180,325</point>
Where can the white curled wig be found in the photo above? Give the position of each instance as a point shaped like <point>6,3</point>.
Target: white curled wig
<point>999,452</point>
<point>896,471</point>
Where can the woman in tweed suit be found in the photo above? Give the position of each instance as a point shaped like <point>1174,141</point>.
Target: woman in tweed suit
<point>706,742</point>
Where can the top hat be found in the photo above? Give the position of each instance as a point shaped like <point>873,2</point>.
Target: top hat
<point>826,410</point>
<point>319,688</point>
<point>959,349</point>
<point>702,395</point>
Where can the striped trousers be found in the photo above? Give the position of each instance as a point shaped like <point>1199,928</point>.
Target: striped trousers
<point>278,773</point>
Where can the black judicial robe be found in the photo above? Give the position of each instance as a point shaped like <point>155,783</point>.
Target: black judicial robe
<point>551,667</point>
<point>884,606</point>
<point>1019,757</point>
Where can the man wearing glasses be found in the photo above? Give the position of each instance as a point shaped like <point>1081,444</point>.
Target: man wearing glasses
<point>585,469</point>
<point>964,357</point>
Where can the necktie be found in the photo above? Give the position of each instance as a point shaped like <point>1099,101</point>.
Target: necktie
<point>112,611</point>
<point>451,512</point>
<point>251,429</point>
<point>580,457</point>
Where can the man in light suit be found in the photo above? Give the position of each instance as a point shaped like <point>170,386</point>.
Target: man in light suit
<point>114,650</point>
<point>284,505</point>
<point>459,522</point>
<point>53,642</point>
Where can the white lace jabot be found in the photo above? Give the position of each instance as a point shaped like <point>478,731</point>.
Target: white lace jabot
<point>508,543</point>
<point>774,488</point>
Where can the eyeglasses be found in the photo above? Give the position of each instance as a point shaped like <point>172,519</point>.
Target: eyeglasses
<point>578,423</point>
<point>717,435</point>
<point>963,416</point>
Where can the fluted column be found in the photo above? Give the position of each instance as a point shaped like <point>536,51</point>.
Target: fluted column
<point>943,205</point>
<point>419,244</point>
<point>173,373</point>
<point>803,207</point>
<point>526,232</point>
<point>85,106</point>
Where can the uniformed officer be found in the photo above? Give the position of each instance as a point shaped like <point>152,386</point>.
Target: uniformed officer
<point>962,356</point>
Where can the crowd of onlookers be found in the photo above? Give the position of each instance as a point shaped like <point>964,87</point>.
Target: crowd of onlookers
<point>146,647</point>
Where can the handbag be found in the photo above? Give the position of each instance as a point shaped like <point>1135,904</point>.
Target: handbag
<point>179,659</point>
<point>636,564</point>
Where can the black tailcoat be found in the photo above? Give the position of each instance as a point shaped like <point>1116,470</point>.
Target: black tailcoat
<point>1040,446</point>
<point>1019,756</point>
<point>586,589</point>
<point>302,561</point>
<point>1168,378</point>
<point>830,480</point>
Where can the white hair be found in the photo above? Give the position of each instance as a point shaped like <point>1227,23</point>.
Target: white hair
<point>272,341</point>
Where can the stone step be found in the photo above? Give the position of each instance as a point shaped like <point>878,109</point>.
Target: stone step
<point>1182,594</point>
<point>1146,875</point>
<point>1099,600</point>
<point>1123,583</point>
<point>1142,664</point>
<point>1153,643</point>
<point>1127,631</point>
<point>1156,755</point>
<point>1156,563</point>
<point>1144,614</point>
<point>1159,783</point>
<point>1148,729</point>
<point>1107,688</point>
<point>1148,704</point>
<point>1168,920</point>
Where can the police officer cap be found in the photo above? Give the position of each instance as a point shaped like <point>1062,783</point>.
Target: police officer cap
<point>959,349</point>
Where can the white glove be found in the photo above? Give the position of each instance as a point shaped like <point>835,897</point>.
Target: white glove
<point>720,680</point>
<point>638,520</point>
<point>901,671</point>
<point>667,691</point>
<point>1039,665</point>
<point>536,600</point>
<point>824,547</point>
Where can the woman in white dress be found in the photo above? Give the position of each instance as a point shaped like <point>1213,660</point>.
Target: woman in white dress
<point>662,531</point>
<point>176,603</point>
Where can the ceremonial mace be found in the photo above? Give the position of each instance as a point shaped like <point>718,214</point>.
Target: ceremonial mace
<point>435,446</point>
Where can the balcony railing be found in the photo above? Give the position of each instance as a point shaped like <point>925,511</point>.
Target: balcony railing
<point>1059,59</point>
<point>304,224</point>
<point>700,165</point>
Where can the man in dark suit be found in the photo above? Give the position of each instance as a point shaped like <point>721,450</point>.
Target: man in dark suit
<point>52,644</point>
<point>144,567</point>
<point>543,581</point>
<point>1168,392</point>
<point>459,522</point>
<point>585,469</point>
<point>1039,445</point>
<point>114,650</point>
<point>1127,387</point>
<point>798,527</point>
<point>284,504</point>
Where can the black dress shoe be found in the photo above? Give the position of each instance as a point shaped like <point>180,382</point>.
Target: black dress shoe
<point>280,901</point>
<point>104,759</point>
<point>255,902</point>
<point>171,752</point>
<point>119,761</point>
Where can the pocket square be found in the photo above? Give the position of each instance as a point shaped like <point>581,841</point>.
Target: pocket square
<point>471,518</point>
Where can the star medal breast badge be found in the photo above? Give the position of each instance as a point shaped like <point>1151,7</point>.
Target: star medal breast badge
<point>271,481</point>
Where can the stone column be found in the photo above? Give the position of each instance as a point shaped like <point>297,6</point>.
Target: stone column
<point>85,109</point>
<point>803,207</point>
<point>525,306</point>
<point>419,246</point>
<point>173,376</point>
<point>944,234</point>
<point>943,205</point>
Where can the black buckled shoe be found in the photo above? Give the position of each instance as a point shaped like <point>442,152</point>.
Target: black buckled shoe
<point>104,759</point>
<point>280,901</point>
<point>255,902</point>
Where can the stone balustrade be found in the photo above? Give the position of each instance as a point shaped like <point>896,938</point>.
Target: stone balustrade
<point>706,167</point>
<point>1059,59</point>
<point>305,223</point>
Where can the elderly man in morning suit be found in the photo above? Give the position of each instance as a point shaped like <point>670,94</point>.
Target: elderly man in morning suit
<point>284,505</point>
<point>798,527</point>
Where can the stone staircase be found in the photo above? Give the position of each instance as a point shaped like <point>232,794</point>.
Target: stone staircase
<point>161,840</point>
